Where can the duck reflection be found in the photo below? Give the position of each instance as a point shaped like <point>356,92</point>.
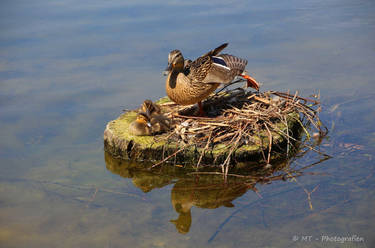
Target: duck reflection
<point>207,191</point>
<point>199,189</point>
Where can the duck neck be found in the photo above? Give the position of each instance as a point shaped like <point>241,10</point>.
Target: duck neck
<point>173,76</point>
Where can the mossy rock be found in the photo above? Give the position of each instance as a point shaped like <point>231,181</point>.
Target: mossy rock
<point>119,143</point>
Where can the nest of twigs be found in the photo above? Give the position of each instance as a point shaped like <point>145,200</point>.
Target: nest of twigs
<point>239,118</point>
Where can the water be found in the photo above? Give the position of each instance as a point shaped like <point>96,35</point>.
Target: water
<point>67,68</point>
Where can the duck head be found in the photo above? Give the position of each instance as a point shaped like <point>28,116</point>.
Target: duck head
<point>150,108</point>
<point>175,61</point>
<point>143,118</point>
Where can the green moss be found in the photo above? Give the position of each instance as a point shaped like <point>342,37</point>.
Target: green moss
<point>163,100</point>
<point>120,128</point>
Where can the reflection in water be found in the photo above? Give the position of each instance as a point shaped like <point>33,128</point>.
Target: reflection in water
<point>203,189</point>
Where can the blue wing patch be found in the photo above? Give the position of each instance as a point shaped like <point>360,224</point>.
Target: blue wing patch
<point>218,60</point>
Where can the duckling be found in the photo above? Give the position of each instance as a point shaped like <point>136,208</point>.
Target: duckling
<point>160,123</point>
<point>191,82</point>
<point>150,108</point>
<point>141,126</point>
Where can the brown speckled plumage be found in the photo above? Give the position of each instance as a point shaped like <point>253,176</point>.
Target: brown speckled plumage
<point>191,82</point>
<point>184,91</point>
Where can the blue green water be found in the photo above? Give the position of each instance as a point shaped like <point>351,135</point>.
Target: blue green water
<point>67,68</point>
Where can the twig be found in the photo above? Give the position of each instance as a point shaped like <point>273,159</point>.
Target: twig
<point>204,150</point>
<point>227,85</point>
<point>269,143</point>
<point>164,160</point>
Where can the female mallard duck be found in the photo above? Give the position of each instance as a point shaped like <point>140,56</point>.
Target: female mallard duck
<point>191,82</point>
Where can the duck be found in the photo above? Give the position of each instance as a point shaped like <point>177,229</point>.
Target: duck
<point>189,82</point>
<point>141,126</point>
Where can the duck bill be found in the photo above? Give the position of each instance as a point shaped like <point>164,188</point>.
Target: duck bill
<point>167,70</point>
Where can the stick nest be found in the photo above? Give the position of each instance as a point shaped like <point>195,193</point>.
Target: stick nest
<point>238,117</point>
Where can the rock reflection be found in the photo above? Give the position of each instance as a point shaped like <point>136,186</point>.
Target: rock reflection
<point>205,189</point>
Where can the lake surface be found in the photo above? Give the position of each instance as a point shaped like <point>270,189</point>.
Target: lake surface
<point>68,67</point>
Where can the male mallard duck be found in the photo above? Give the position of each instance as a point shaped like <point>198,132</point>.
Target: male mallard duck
<point>191,82</point>
<point>141,126</point>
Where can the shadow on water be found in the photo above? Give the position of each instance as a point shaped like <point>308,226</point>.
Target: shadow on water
<point>206,189</point>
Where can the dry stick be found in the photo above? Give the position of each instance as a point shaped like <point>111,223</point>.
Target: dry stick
<point>215,124</point>
<point>227,135</point>
<point>261,143</point>
<point>219,173</point>
<point>286,95</point>
<point>309,196</point>
<point>199,128</point>
<point>235,145</point>
<point>295,95</point>
<point>227,159</point>
<point>263,100</point>
<point>313,111</point>
<point>258,178</point>
<point>204,150</point>
<point>313,164</point>
<point>304,144</point>
<point>192,117</point>
<point>289,174</point>
<point>227,85</point>
<point>164,160</point>
<point>269,144</point>
<point>287,133</point>
<point>305,190</point>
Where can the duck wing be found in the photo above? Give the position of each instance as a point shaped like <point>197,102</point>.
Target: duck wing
<point>213,67</point>
<point>216,51</point>
<point>187,64</point>
<point>222,68</point>
<point>237,65</point>
<point>198,70</point>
